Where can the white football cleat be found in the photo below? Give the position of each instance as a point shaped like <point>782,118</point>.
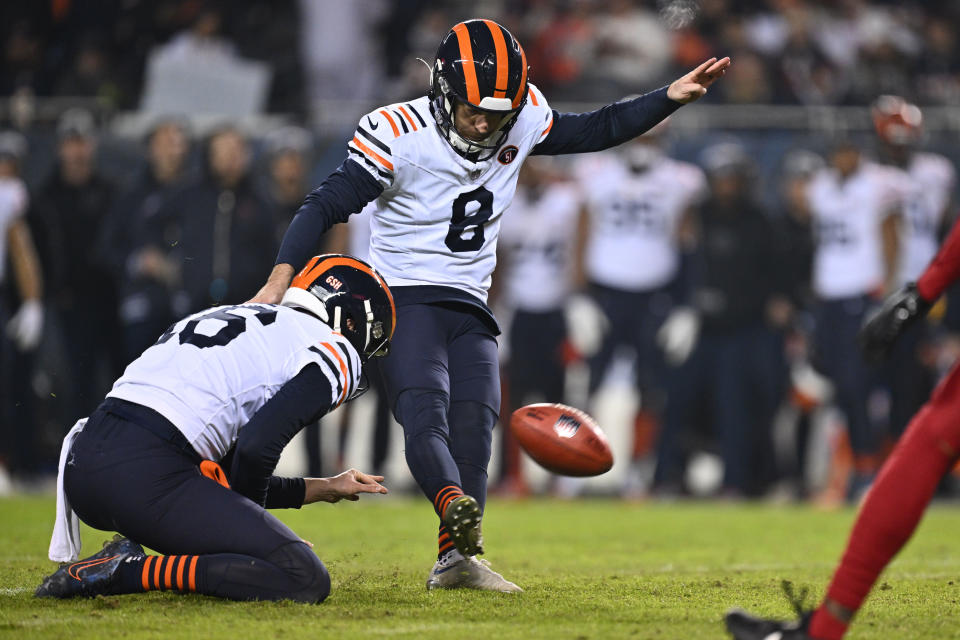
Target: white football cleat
<point>469,573</point>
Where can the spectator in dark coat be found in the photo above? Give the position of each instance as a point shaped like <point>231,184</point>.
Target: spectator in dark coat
<point>133,242</point>
<point>221,227</point>
<point>67,218</point>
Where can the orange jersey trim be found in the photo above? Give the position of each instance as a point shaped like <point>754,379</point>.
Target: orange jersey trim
<point>467,63</point>
<point>407,116</point>
<point>370,152</point>
<point>393,125</point>
<point>547,130</point>
<point>343,370</point>
<point>533,98</point>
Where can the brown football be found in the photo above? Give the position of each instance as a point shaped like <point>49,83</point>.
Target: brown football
<point>562,439</point>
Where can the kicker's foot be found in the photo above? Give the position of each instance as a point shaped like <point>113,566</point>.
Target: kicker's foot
<point>462,519</point>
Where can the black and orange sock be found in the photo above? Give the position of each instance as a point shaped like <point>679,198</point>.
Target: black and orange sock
<point>444,543</point>
<point>168,573</point>
<point>445,496</point>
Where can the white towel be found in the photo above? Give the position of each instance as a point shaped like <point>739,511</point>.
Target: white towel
<point>65,542</point>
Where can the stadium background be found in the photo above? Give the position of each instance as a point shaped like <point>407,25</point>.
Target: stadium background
<point>804,74</point>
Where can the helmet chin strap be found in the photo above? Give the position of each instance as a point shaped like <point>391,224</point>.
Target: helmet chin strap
<point>368,308</point>
<point>337,312</point>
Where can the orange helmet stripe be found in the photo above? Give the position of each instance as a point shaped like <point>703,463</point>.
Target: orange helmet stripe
<point>467,63</point>
<point>523,79</point>
<point>393,125</point>
<point>319,264</point>
<point>500,46</point>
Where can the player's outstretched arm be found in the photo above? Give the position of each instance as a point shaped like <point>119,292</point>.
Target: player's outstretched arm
<point>345,486</point>
<point>693,85</point>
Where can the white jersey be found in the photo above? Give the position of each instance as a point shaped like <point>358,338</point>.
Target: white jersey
<point>537,239</point>
<point>13,203</point>
<point>847,216</point>
<point>359,233</point>
<point>634,219</point>
<point>437,220</point>
<point>931,182</point>
<point>212,371</point>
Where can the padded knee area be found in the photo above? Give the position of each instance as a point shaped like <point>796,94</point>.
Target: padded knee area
<point>423,413</point>
<point>310,581</point>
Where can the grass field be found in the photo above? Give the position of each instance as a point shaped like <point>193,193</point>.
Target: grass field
<point>592,569</point>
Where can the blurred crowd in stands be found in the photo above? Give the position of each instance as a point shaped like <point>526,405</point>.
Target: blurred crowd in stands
<point>787,51</point>
<point>733,313</point>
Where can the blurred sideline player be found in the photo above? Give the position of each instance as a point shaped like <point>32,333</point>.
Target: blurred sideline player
<point>20,332</point>
<point>929,448</point>
<point>534,278</point>
<point>639,203</point>
<point>854,205</point>
<point>442,170</point>
<point>354,239</point>
<point>180,455</point>
<point>927,202</point>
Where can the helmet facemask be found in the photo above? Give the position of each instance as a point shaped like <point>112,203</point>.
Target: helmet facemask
<point>443,101</point>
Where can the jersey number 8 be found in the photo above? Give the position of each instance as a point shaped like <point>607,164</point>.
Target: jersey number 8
<point>461,223</point>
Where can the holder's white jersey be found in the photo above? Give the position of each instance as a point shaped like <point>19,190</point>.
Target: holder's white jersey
<point>930,191</point>
<point>210,372</point>
<point>437,220</point>
<point>537,238</point>
<point>13,204</point>
<point>847,216</point>
<point>634,219</point>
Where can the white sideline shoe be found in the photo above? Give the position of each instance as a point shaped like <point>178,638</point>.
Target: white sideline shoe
<point>469,573</point>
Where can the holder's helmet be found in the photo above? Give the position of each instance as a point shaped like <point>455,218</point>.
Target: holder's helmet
<point>350,296</point>
<point>479,63</point>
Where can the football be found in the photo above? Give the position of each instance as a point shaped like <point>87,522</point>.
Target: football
<point>562,439</point>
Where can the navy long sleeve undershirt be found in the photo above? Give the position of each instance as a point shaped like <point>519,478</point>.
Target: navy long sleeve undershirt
<point>606,127</point>
<point>301,401</point>
<point>348,189</point>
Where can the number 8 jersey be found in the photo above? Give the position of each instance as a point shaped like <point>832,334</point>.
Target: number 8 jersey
<point>437,220</point>
<point>212,371</point>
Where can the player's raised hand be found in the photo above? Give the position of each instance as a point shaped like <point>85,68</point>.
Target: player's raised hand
<point>345,486</point>
<point>694,85</point>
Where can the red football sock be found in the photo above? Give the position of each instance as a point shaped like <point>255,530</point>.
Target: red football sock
<point>896,502</point>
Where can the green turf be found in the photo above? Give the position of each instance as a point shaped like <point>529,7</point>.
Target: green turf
<point>591,569</point>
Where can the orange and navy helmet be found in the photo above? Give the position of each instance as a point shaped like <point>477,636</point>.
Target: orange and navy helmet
<point>897,121</point>
<point>351,297</point>
<point>481,64</point>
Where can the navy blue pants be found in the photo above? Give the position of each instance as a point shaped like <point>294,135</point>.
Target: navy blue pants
<point>635,317</point>
<point>443,381</point>
<point>121,477</point>
<point>838,356</point>
<point>536,356</point>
